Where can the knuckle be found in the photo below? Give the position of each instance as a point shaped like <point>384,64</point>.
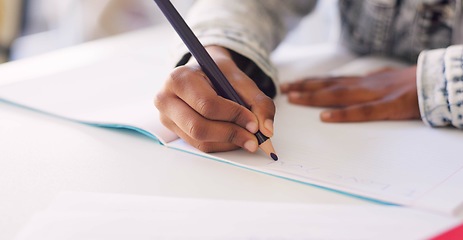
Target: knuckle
<point>204,147</point>
<point>299,85</point>
<point>310,98</point>
<point>261,97</point>
<point>160,99</point>
<point>180,71</point>
<point>206,107</point>
<point>196,130</point>
<point>179,75</point>
<point>367,110</point>
<point>305,84</point>
<point>232,135</point>
<point>267,102</point>
<point>339,91</point>
<point>340,115</point>
<point>236,113</point>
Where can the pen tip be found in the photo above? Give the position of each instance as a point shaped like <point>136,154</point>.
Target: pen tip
<point>274,156</point>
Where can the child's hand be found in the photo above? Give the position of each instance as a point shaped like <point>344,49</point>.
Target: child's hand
<point>190,107</point>
<point>383,95</point>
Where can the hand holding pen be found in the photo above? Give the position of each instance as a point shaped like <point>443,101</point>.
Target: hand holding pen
<point>191,108</point>
<point>214,106</point>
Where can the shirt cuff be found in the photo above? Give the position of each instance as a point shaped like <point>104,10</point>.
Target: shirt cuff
<point>243,47</point>
<point>440,86</point>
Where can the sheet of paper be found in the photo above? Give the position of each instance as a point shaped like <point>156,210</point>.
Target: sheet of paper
<point>404,163</point>
<point>113,216</point>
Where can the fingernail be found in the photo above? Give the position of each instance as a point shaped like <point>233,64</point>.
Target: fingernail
<point>268,124</point>
<point>252,127</point>
<point>250,145</point>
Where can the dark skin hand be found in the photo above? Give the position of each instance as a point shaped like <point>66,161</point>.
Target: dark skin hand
<point>383,95</point>
<point>190,107</point>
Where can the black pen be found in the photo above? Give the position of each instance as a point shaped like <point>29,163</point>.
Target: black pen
<point>212,71</point>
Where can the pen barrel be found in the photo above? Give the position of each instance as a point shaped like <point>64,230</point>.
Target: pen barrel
<point>261,138</point>
<point>209,67</point>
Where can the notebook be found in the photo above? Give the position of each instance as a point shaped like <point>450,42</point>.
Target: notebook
<point>396,163</point>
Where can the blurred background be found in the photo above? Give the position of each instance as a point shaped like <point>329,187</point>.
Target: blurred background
<point>32,27</point>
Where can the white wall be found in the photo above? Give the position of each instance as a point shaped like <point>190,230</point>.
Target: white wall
<point>55,24</point>
<point>60,23</point>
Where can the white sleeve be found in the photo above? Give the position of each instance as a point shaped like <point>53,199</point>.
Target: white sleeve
<point>440,86</point>
<point>251,28</point>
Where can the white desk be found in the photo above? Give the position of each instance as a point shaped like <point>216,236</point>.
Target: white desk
<point>41,156</point>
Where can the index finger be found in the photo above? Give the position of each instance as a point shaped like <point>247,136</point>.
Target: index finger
<point>260,104</point>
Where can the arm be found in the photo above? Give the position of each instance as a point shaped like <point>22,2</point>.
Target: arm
<point>440,86</point>
<point>239,36</point>
<point>251,29</point>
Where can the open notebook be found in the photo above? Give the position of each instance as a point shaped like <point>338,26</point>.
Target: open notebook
<point>404,163</point>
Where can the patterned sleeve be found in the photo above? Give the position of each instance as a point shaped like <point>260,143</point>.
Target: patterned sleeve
<point>250,28</point>
<point>440,86</point>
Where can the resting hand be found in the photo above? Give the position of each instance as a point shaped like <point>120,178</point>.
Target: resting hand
<point>384,95</point>
<point>190,107</point>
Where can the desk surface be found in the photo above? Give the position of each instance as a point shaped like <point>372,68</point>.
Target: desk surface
<point>41,155</point>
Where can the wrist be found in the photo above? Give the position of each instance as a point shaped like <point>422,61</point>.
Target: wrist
<point>218,51</point>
